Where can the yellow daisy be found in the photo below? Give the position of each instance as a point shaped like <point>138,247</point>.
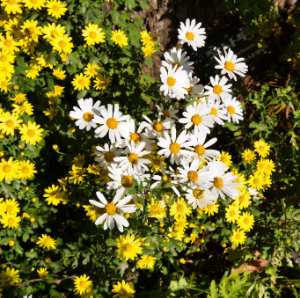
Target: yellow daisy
<point>249,156</point>
<point>6,70</point>
<point>52,30</point>
<point>9,169</point>
<point>53,195</point>
<point>148,50</point>
<point>46,242</point>
<point>79,160</point>
<point>12,6</point>
<point>101,82</point>
<point>32,133</point>
<point>225,158</point>
<point>43,273</point>
<point>10,220</point>
<point>156,209</point>
<point>155,162</point>
<point>232,213</point>
<point>261,165</point>
<point>58,90</point>
<point>26,170</point>
<point>13,26</point>
<point>52,97</point>
<point>34,4</point>
<point>123,290</point>
<point>270,167</point>
<point>128,247</point>
<point>9,276</point>
<point>94,169</point>
<point>93,34</point>
<point>6,57</point>
<point>211,209</point>
<point>256,181</point>
<point>9,44</point>
<point>146,37</point>
<point>93,212</point>
<point>62,43</point>
<point>31,30</point>
<point>51,112</point>
<point>56,8</point>
<point>262,148</point>
<point>238,237</point>
<point>9,206</point>
<point>243,200</point>
<point>59,73</point>
<point>179,209</point>
<point>9,122</point>
<point>5,85</point>
<point>91,70</point>
<point>25,107</point>
<point>82,284</point>
<point>32,73</point>
<point>246,221</point>
<point>119,38</point>
<point>81,82</point>
<point>146,262</point>
<point>77,174</point>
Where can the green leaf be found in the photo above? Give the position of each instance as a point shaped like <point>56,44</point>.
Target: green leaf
<point>110,242</point>
<point>144,5</point>
<point>213,290</point>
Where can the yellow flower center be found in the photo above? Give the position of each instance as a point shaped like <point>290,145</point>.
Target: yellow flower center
<point>112,123</point>
<point>127,181</point>
<point>135,137</point>
<point>10,221</point>
<point>166,113</point>
<point>231,110</point>
<point>196,119</point>
<point>55,8</point>
<point>47,241</point>
<point>25,170</point>
<point>238,236</point>
<point>256,181</point>
<point>261,149</point>
<point>180,208</point>
<point>217,89</point>
<point>133,158</point>
<point>93,34</point>
<point>62,43</point>
<point>166,179</point>
<point>9,209</point>
<point>174,148</point>
<point>158,126</point>
<point>110,208</point>
<point>232,213</point>
<point>176,64</point>
<point>11,2</point>
<point>119,38</point>
<point>6,169</point>
<point>82,284</point>
<point>31,133</point>
<point>8,43</point>
<point>193,176</point>
<point>196,191</point>
<point>242,199</point>
<point>3,58</point>
<point>199,149</point>
<point>22,108</point>
<point>109,156</point>
<point>88,116</point>
<point>190,36</point>
<point>33,1</point>
<point>127,247</point>
<point>53,32</point>
<point>189,89</point>
<point>229,65</point>
<point>171,81</point>
<point>213,111</point>
<point>81,82</point>
<point>9,123</point>
<point>246,221</point>
<point>123,293</point>
<point>218,182</point>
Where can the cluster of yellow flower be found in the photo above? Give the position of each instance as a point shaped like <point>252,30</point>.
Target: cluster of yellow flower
<point>148,41</point>
<point>8,277</point>
<point>9,212</point>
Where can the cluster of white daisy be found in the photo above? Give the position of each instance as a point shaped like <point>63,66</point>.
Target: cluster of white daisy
<point>193,170</point>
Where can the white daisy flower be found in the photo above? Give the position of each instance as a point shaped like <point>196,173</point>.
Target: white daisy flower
<point>234,109</point>
<point>194,177</point>
<point>173,81</point>
<point>194,90</point>
<point>155,128</point>
<point>167,177</point>
<point>178,58</point>
<point>105,156</point>
<point>174,146</point>
<point>219,90</point>
<point>133,163</point>
<point>113,123</point>
<point>192,34</point>
<point>218,111</point>
<point>197,115</point>
<point>169,113</point>
<point>222,183</point>
<point>136,136</point>
<point>123,180</point>
<point>199,197</point>
<point>231,64</point>
<point>253,192</point>
<point>201,151</point>
<point>86,113</point>
<point>113,210</point>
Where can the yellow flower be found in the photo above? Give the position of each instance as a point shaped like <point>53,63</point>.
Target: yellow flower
<point>246,221</point>
<point>6,70</point>
<point>13,26</point>
<point>53,195</point>
<point>119,38</point>
<point>12,6</point>
<point>9,122</point>
<point>156,209</point>
<point>9,44</point>
<point>77,174</point>
<point>9,277</point>
<point>9,169</point>
<point>6,57</point>
<point>32,133</point>
<point>146,37</point>
<point>19,98</point>
<point>225,158</point>
<point>243,200</point>
<point>146,262</point>
<point>48,260</point>
<point>53,30</point>
<point>5,85</point>
<point>148,50</point>
<point>10,220</point>
<point>101,82</point>
<point>123,290</point>
<point>34,4</point>
<point>249,156</point>
<point>238,237</point>
<point>128,247</point>
<point>94,169</point>
<point>26,170</point>
<point>43,273</point>
<point>155,162</point>
<point>46,242</point>
<point>9,206</point>
<point>51,112</point>
<point>179,209</point>
<point>82,284</point>
<point>93,212</point>
<point>261,165</point>
<point>262,148</point>
<point>91,70</point>
<point>242,180</point>
<point>269,167</point>
<point>232,213</point>
<point>25,107</point>
<point>194,237</point>
<point>59,73</point>
<point>79,160</point>
<point>62,43</point>
<point>256,181</point>
<point>31,30</point>
<point>32,73</point>
<point>211,209</point>
<point>81,82</point>
<point>52,97</point>
<point>93,34</point>
<point>56,8</point>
